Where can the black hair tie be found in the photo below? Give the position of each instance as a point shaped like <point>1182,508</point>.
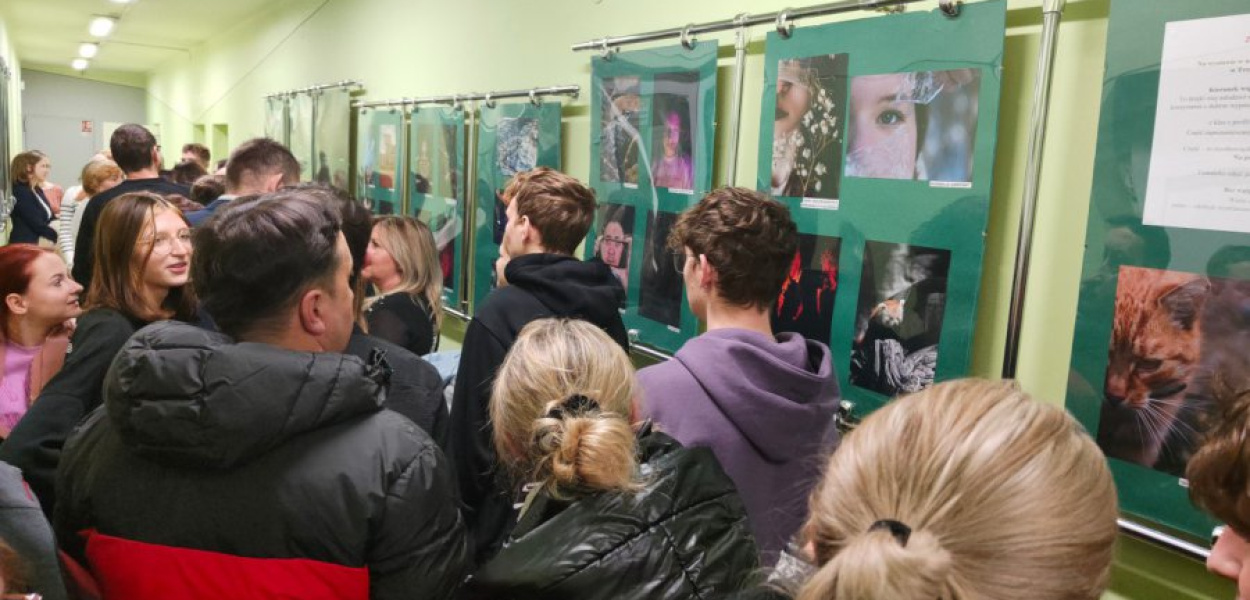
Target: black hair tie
<point>572,405</point>
<point>901,532</point>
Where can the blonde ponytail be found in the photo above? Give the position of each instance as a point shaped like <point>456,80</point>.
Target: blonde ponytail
<point>1005,495</point>
<point>875,566</point>
<point>583,442</point>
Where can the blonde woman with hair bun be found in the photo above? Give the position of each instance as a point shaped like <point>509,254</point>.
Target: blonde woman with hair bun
<point>608,509</point>
<point>969,490</point>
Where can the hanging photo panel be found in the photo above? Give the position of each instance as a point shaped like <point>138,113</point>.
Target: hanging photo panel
<point>436,186</point>
<point>511,139</point>
<point>380,160</point>
<point>276,118</point>
<point>332,142</point>
<point>879,135</point>
<point>301,134</point>
<point>653,114</point>
<point>1166,277</point>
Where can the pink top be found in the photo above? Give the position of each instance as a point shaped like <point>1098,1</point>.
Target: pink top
<point>15,384</point>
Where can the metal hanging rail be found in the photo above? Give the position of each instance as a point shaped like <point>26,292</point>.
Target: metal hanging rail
<point>1052,14</point>
<point>782,19</point>
<point>1164,540</point>
<point>316,88</point>
<point>489,97</point>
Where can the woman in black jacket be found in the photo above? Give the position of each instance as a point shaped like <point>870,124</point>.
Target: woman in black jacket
<point>403,264</point>
<point>142,265</point>
<point>609,511</point>
<point>32,213</point>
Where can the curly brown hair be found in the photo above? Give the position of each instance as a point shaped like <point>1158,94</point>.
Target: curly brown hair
<point>1219,473</point>
<point>747,237</point>
<point>560,207</point>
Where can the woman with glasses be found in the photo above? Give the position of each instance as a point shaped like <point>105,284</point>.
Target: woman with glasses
<point>142,267</point>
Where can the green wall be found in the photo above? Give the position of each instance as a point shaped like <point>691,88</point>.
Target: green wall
<point>420,47</point>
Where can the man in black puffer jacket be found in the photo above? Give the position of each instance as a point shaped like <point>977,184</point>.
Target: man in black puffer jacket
<point>264,467</point>
<point>549,213</point>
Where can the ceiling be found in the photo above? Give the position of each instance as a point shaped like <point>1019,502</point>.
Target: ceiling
<point>148,32</point>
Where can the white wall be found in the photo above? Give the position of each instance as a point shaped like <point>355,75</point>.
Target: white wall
<point>55,108</point>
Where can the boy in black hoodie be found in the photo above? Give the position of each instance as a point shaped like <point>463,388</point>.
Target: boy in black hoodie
<point>549,213</point>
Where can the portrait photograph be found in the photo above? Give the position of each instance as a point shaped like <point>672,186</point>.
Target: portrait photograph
<point>920,125</point>
<point>808,126</point>
<point>673,107</point>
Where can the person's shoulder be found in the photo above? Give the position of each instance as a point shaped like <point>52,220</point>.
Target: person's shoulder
<point>106,318</point>
<point>393,439</point>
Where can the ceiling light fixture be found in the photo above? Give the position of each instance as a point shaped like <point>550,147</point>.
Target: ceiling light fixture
<point>79,64</point>
<point>88,50</point>
<point>102,26</point>
<point>121,1</point>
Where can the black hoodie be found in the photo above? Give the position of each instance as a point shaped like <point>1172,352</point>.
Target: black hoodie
<point>539,286</point>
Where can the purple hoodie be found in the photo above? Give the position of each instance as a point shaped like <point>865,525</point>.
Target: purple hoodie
<point>766,409</point>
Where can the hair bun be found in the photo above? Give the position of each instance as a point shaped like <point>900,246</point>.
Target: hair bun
<point>878,565</point>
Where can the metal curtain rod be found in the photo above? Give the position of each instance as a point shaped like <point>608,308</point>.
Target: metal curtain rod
<point>489,97</point>
<point>782,19</point>
<point>318,87</point>
<point>1159,538</point>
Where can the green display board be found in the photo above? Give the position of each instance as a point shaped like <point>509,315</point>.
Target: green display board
<point>332,142</point>
<point>879,134</point>
<point>380,159</point>
<point>511,138</point>
<point>300,135</point>
<point>436,187</point>
<point>653,114</point>
<point>1164,283</point>
<point>276,118</point>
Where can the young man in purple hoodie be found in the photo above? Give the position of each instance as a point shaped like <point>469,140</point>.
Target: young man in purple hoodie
<point>763,403</point>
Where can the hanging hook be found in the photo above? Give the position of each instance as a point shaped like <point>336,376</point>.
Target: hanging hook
<point>455,101</point>
<point>688,40</point>
<point>607,50</point>
<point>784,27</point>
<point>490,102</point>
<point>534,98</point>
<point>950,8</point>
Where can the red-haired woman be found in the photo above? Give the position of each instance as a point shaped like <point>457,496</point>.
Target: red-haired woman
<point>39,299</point>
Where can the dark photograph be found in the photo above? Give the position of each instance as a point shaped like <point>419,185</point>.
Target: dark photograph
<point>898,321</point>
<point>805,305</point>
<point>619,138</point>
<point>673,116</point>
<point>1172,334</point>
<point>660,295</point>
<point>920,125</point>
<point>808,126</point>
<point>614,239</point>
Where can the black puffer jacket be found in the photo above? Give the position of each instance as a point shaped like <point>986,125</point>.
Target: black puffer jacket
<point>225,470</point>
<point>683,536</point>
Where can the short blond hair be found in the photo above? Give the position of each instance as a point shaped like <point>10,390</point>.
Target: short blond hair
<point>537,437</point>
<point>1003,495</point>
<point>96,172</point>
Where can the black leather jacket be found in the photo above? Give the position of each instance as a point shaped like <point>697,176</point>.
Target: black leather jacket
<point>683,535</point>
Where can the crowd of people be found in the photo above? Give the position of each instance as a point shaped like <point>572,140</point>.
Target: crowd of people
<point>232,401</point>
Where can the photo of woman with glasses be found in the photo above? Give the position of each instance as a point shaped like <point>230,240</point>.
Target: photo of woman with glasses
<point>142,270</point>
<point>614,240</point>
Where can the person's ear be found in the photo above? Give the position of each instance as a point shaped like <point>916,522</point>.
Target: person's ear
<point>273,182</point>
<point>707,274</point>
<point>312,307</point>
<point>16,304</point>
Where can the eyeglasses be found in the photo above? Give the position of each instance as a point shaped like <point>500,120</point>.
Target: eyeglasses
<point>679,261</point>
<point>163,245</point>
<point>620,241</point>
